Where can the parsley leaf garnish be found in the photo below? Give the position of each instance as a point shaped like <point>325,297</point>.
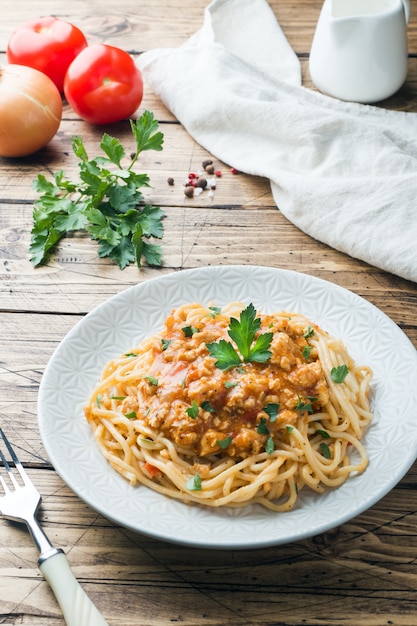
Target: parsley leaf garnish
<point>272,409</point>
<point>339,374</point>
<point>189,331</point>
<point>325,450</point>
<point>206,406</point>
<point>192,411</point>
<point>323,433</point>
<point>165,344</point>
<point>106,202</point>
<point>309,332</point>
<point>224,443</point>
<point>306,352</point>
<point>152,380</point>
<point>242,332</point>
<point>262,428</point>
<point>269,446</point>
<point>194,483</point>
<point>225,354</point>
<point>305,405</point>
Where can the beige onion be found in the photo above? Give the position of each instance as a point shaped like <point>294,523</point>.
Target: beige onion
<point>30,110</point>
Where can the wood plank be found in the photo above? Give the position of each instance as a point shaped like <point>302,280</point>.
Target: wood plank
<point>194,236</point>
<point>139,29</point>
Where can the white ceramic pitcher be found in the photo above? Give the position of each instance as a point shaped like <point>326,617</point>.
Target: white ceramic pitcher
<point>359,50</point>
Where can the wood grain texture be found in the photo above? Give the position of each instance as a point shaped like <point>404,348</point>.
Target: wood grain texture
<point>363,573</point>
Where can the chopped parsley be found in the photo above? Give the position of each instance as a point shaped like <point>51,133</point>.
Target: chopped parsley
<point>325,450</point>
<point>189,331</point>
<point>224,443</point>
<point>194,483</point>
<point>165,344</point>
<point>306,352</point>
<point>271,409</point>
<point>206,406</point>
<point>269,446</point>
<point>323,434</point>
<point>131,415</point>
<point>309,332</point>
<point>262,428</point>
<point>192,411</point>
<point>305,405</point>
<point>339,373</point>
<point>152,380</point>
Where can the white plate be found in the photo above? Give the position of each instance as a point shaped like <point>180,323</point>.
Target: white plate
<point>121,322</point>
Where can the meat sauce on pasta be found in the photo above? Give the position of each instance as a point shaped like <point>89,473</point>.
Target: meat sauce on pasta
<point>232,403</point>
<point>173,415</point>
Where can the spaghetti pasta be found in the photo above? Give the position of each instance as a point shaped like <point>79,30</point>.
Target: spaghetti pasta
<point>225,410</point>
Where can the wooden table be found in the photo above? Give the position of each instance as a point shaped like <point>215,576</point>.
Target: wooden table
<point>362,573</point>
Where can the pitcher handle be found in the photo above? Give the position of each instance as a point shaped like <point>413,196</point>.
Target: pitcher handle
<point>406,4</point>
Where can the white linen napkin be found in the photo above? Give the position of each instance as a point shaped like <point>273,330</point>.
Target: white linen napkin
<point>344,173</point>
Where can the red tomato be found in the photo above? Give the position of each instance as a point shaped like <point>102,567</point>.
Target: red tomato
<point>151,470</point>
<point>103,84</point>
<point>48,45</point>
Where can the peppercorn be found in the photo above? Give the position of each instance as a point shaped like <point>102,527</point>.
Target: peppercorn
<point>206,163</point>
<point>210,169</point>
<point>189,191</point>
<point>170,180</point>
<point>202,182</point>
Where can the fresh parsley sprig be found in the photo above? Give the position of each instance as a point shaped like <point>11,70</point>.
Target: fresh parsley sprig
<point>107,202</point>
<point>243,332</point>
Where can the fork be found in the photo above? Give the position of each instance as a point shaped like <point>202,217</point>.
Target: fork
<point>21,504</point>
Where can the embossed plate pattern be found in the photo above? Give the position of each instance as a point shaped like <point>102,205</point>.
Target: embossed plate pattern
<point>121,322</point>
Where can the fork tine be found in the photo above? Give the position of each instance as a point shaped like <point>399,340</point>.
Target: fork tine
<point>7,467</point>
<point>15,460</point>
<point>10,473</point>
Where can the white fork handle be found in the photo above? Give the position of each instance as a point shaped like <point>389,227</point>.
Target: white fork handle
<point>77,608</point>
